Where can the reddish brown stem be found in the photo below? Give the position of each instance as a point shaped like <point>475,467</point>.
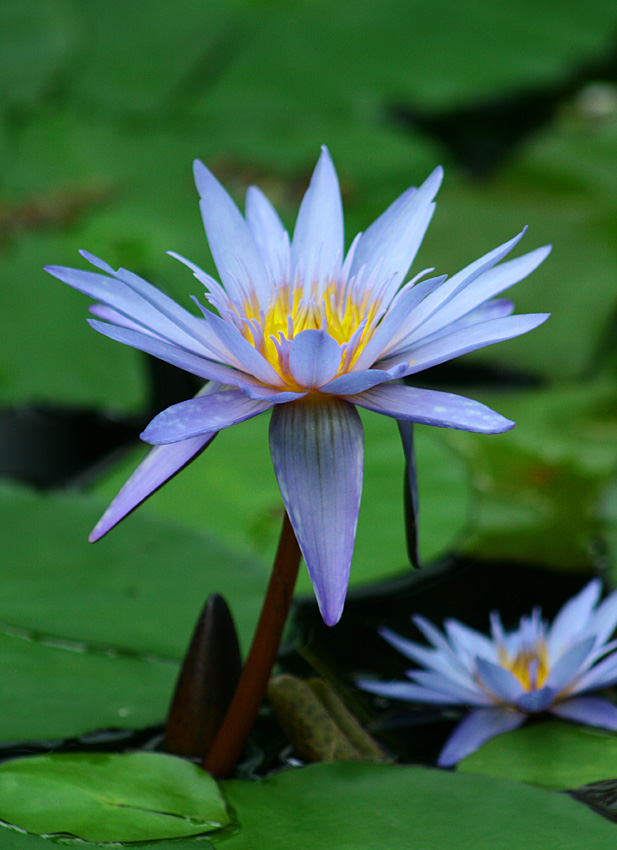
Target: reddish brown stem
<point>236,727</point>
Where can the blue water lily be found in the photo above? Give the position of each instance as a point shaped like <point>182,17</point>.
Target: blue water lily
<point>511,675</point>
<point>299,328</point>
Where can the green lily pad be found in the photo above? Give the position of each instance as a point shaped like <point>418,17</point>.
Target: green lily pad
<point>81,643</point>
<point>118,592</point>
<point>60,691</point>
<point>551,754</point>
<point>539,487</point>
<point>110,798</point>
<point>347,806</point>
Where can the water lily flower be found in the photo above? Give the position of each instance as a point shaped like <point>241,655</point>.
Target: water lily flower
<point>299,328</point>
<point>508,677</point>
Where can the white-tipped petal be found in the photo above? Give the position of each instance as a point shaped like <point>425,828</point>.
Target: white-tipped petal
<point>317,245</point>
<point>393,239</point>
<point>233,248</point>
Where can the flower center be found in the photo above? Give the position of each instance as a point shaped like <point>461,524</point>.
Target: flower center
<point>529,665</point>
<point>332,308</point>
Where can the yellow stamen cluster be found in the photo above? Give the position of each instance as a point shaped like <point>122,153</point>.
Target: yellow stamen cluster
<point>293,310</point>
<point>529,665</point>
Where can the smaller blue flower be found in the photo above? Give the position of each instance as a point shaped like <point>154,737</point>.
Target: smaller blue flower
<point>509,676</point>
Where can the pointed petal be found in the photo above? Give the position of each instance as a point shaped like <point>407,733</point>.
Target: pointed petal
<point>233,248</point>
<point>601,675</point>
<point>314,358</point>
<point>573,619</point>
<point>476,729</point>
<point>357,382</point>
<point>268,231</point>
<point>200,415</point>
<point>499,681</point>
<point>431,407</point>
<point>389,329</point>
<point>432,659</point>
<point>489,284</point>
<point>592,711</point>
<point>480,288</point>
<point>317,245</point>
<point>144,306</point>
<point>467,641</point>
<point>498,308</point>
<point>317,451</point>
<point>406,691</point>
<point>458,283</point>
<point>393,239</point>
<point>108,314</point>
<point>159,466</point>
<point>604,619</point>
<point>242,353</point>
<point>463,693</point>
<point>424,655</point>
<point>192,363</point>
<point>570,664</point>
<point>425,355</point>
<point>431,633</point>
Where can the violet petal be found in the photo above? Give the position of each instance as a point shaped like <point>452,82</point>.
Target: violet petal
<point>592,711</point>
<point>200,415</point>
<point>432,407</point>
<point>476,729</point>
<point>317,450</point>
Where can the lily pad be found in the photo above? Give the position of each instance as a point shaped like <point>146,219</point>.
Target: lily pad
<point>67,689</point>
<point>116,593</point>
<point>110,798</point>
<point>538,488</point>
<point>551,754</point>
<point>347,806</point>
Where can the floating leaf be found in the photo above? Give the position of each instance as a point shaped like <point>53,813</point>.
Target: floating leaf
<point>539,487</point>
<point>551,754</point>
<point>117,592</point>
<point>346,806</point>
<point>110,798</point>
<point>81,637</point>
<point>52,691</point>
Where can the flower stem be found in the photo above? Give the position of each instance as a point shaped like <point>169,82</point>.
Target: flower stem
<point>235,728</point>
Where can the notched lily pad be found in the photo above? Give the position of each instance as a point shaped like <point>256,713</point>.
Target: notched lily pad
<point>110,798</point>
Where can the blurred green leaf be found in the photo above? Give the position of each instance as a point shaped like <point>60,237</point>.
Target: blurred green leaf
<point>319,58</point>
<point>110,798</point>
<point>539,487</point>
<point>35,42</point>
<point>551,754</point>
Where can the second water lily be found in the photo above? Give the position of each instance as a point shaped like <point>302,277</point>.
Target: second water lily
<point>509,676</point>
